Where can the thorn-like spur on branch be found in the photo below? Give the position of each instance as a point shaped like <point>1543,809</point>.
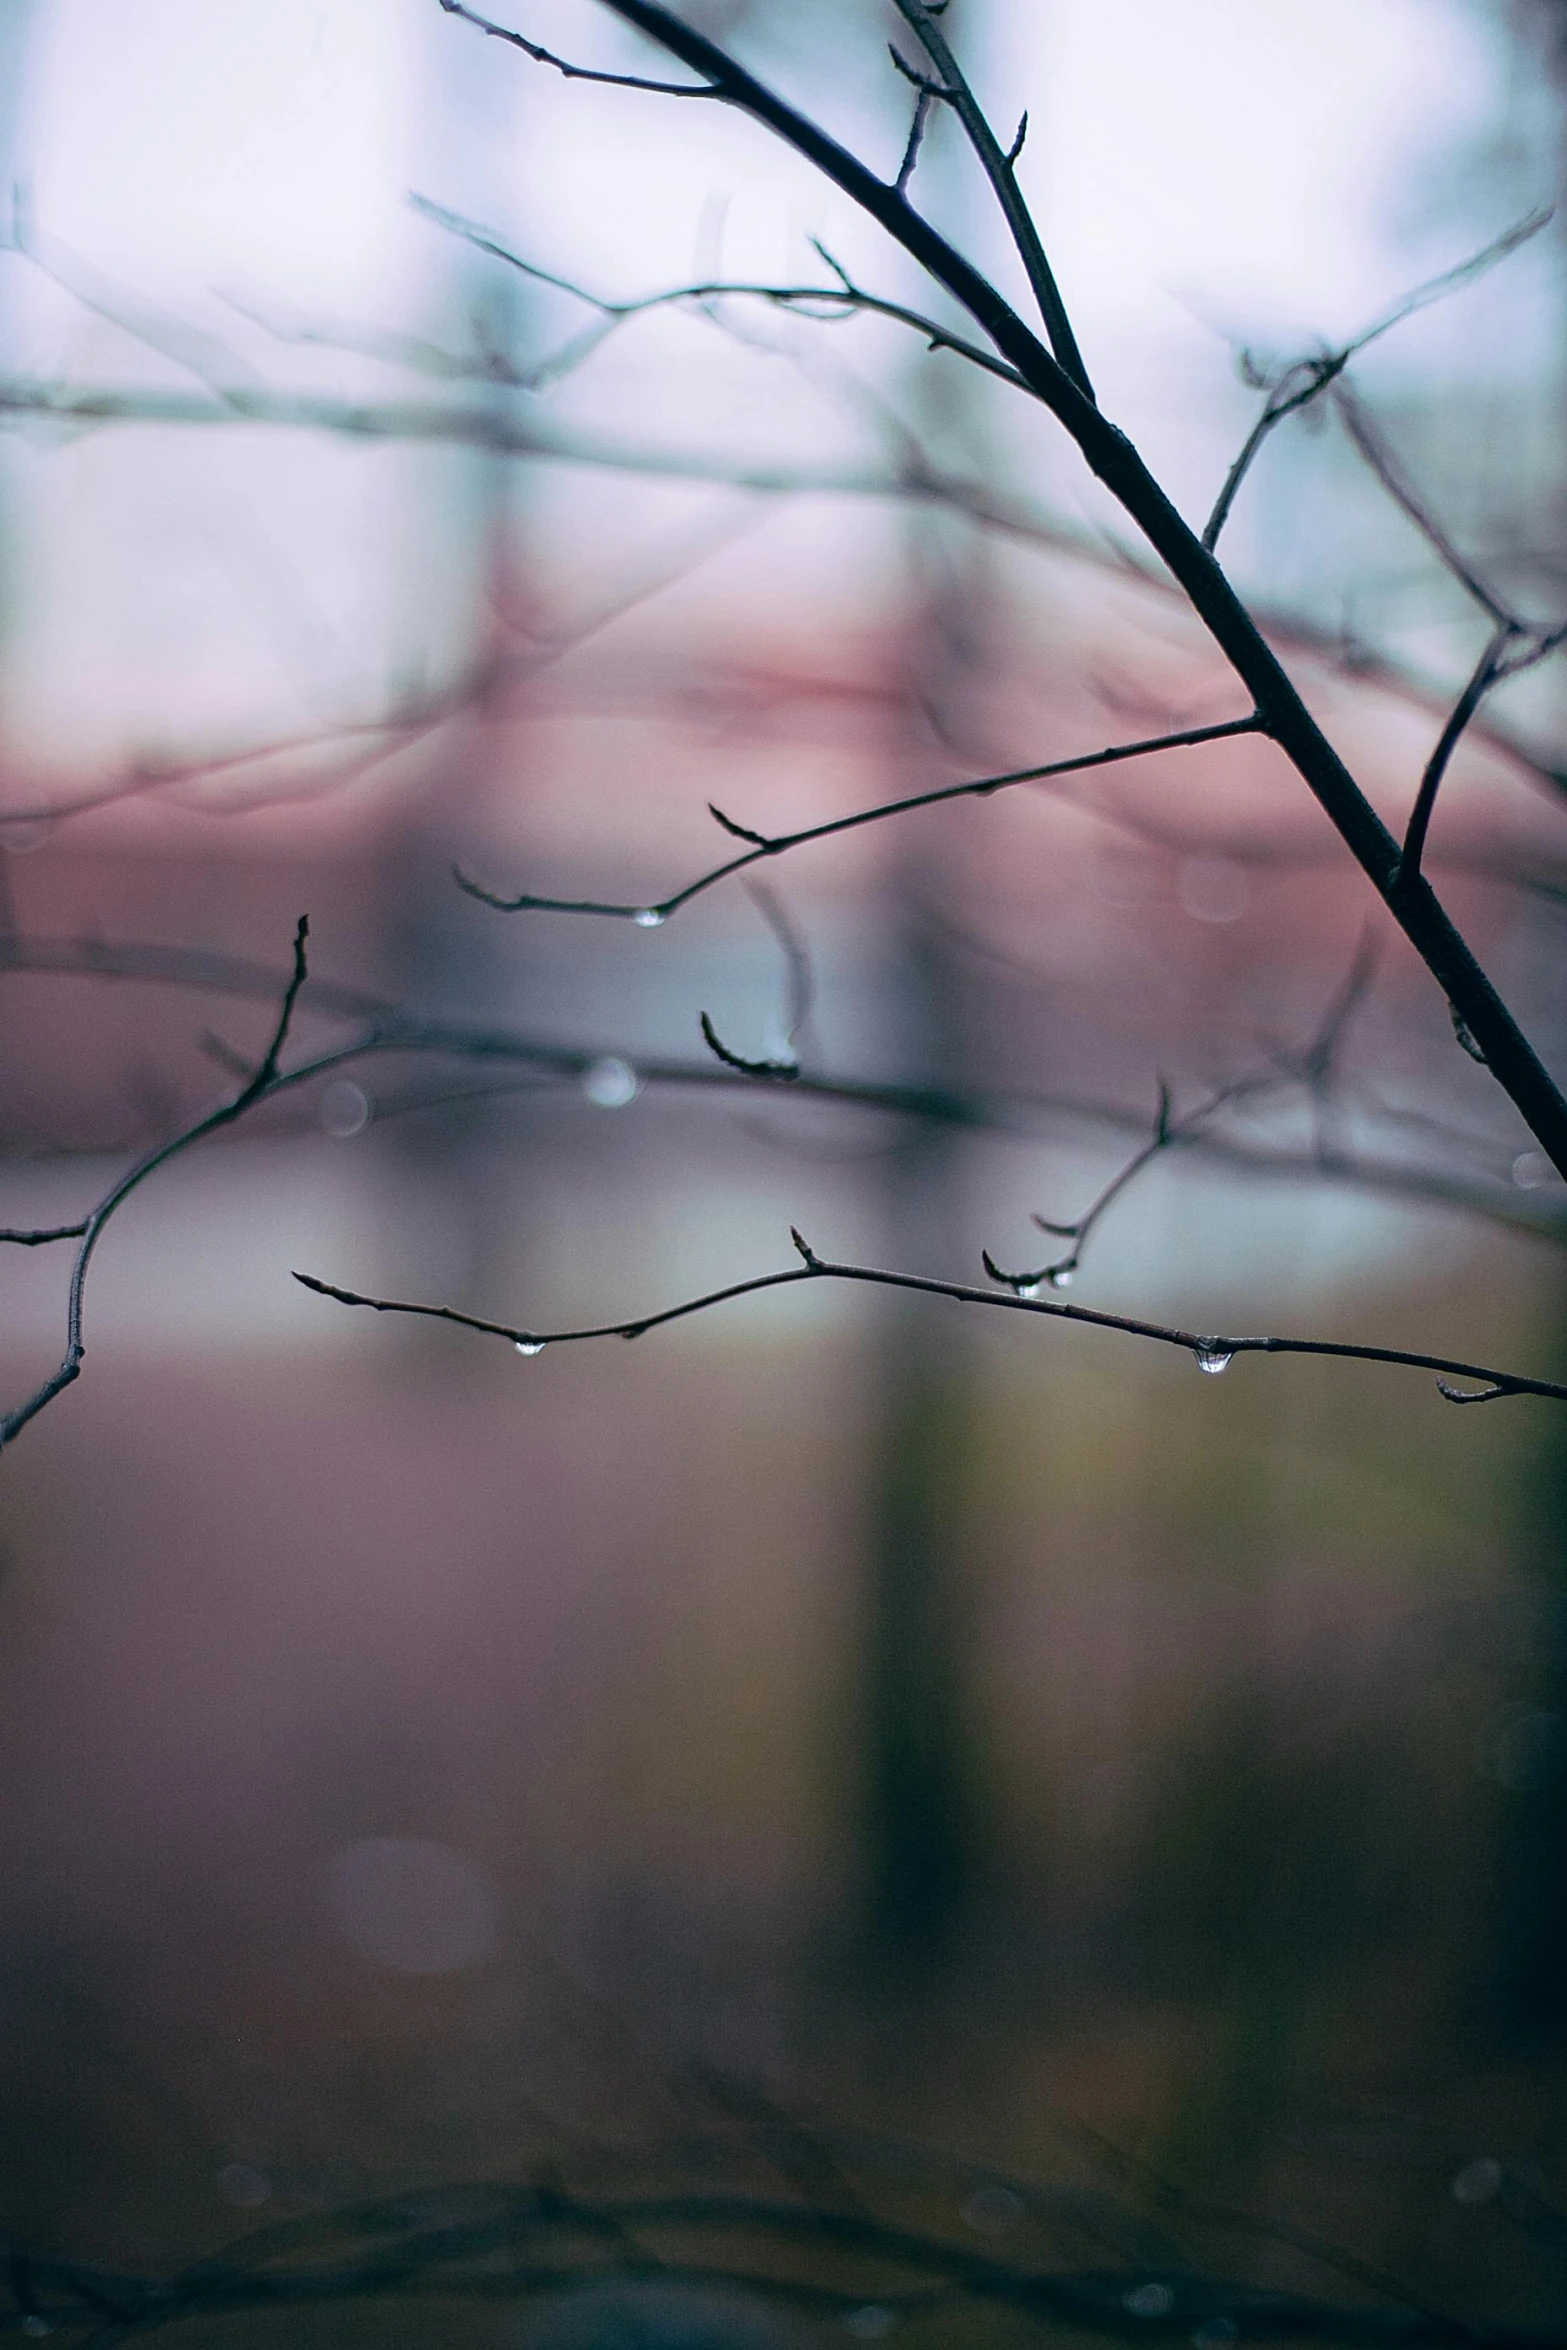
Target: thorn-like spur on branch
<point>1113,459</point>
<point>267,1079</point>
<point>572,73</point>
<point>1302,380</point>
<point>651,916</point>
<point>997,167</point>
<point>785,1072</point>
<point>1210,1351</point>
<point>759,840</point>
<point>911,152</point>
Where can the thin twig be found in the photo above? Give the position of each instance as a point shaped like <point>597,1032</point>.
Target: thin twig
<point>1298,384</point>
<point>1112,457</point>
<point>997,164</point>
<point>1212,1351</point>
<point>1485,674</point>
<point>267,1079</point>
<point>837,301</point>
<point>1376,454</point>
<point>1312,1066</point>
<point>652,915</point>
<point>573,73</point>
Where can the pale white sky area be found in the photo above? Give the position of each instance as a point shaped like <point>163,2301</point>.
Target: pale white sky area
<point>1218,167</point>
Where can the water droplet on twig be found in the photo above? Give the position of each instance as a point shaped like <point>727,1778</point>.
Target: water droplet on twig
<point>344,1109</point>
<point>647,917</point>
<point>1479,2181</point>
<point>1061,1276</point>
<point>992,2209</point>
<point>610,1083</point>
<point>1213,1356</point>
<point>529,1346</point>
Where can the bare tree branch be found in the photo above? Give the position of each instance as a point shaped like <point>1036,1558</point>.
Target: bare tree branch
<point>997,166</point>
<point>1211,1351</point>
<point>653,915</point>
<point>1282,713</point>
<point>1486,672</point>
<point>1301,381</point>
<point>573,73</point>
<point>824,303</point>
<point>267,1079</point>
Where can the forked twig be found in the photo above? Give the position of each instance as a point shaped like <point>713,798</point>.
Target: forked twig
<point>1110,455</point>
<point>266,1080</point>
<point>1303,380</point>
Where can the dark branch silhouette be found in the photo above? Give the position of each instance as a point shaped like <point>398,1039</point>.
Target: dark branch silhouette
<point>1212,1351</point>
<point>1280,711</point>
<point>652,915</point>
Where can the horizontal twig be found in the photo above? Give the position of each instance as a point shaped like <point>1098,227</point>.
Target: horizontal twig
<point>651,915</point>
<point>1212,1351</point>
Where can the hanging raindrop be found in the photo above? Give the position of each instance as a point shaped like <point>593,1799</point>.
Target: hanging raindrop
<point>529,1346</point>
<point>344,1109</point>
<point>1213,1356</point>
<point>647,917</point>
<point>1061,1276</point>
<point>1028,1289</point>
<point>611,1083</point>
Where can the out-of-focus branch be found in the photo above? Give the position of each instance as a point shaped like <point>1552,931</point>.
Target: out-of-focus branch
<point>500,2244</point>
<point>1312,1066</point>
<point>823,303</point>
<point>384,1029</point>
<point>1296,385</point>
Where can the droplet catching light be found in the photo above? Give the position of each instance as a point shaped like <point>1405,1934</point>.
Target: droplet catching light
<point>992,2209</point>
<point>245,2185</point>
<point>344,1108</point>
<point>1028,1289</point>
<point>648,917</point>
<point>1530,1169</point>
<point>1213,1356</point>
<point>610,1083</point>
<point>529,1346</point>
<point>1061,1276</point>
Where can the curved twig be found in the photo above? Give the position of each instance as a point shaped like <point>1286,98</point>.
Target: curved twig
<point>652,915</point>
<point>1212,1351</point>
<point>1114,460</point>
